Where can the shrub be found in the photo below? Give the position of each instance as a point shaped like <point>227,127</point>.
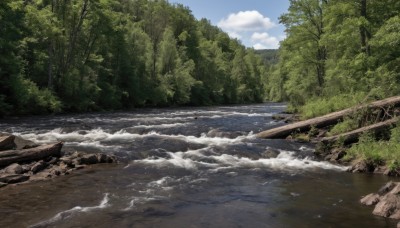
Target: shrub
<point>30,99</point>
<point>322,105</point>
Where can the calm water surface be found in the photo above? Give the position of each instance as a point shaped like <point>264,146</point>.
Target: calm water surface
<point>187,167</point>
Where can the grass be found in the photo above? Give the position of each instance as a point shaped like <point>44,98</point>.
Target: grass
<point>321,106</point>
<point>345,126</point>
<point>378,152</point>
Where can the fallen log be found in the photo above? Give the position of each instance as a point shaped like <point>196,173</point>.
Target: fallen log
<point>352,136</point>
<point>33,154</point>
<point>326,120</point>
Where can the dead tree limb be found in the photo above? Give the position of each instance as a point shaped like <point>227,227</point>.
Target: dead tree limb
<point>352,136</point>
<point>33,154</point>
<point>326,120</point>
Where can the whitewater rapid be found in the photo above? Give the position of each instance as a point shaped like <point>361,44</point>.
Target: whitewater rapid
<point>171,158</point>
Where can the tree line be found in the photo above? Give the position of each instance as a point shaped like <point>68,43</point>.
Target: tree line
<point>339,51</point>
<point>88,55</point>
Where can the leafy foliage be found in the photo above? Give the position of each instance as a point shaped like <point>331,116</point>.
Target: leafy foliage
<point>337,49</point>
<point>378,152</point>
<point>84,55</point>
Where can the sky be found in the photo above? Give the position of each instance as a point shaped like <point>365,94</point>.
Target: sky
<point>254,22</point>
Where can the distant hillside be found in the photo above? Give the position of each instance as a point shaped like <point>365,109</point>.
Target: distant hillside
<point>270,56</point>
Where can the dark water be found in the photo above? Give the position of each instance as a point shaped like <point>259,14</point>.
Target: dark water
<point>190,167</point>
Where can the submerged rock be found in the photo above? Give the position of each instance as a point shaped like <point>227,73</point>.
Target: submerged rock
<point>270,154</point>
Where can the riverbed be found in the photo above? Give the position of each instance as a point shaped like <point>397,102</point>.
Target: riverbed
<point>186,167</point>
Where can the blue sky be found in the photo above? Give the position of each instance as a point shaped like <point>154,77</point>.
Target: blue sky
<point>254,22</point>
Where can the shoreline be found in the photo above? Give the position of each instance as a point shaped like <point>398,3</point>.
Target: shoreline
<point>44,161</point>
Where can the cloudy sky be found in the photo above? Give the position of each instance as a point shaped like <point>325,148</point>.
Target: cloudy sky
<point>254,22</point>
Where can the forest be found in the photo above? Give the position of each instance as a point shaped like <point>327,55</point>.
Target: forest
<point>337,53</point>
<point>94,55</point>
<point>340,54</point>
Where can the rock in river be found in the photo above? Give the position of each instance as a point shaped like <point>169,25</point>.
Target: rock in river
<point>387,201</point>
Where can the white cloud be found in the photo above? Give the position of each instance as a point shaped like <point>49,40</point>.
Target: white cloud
<point>234,35</point>
<point>246,21</point>
<point>264,41</point>
<point>259,46</point>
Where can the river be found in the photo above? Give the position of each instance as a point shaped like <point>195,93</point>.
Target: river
<point>186,167</point>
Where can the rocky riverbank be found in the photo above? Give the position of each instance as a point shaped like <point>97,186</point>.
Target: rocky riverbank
<point>22,160</point>
<point>386,201</point>
<point>335,152</point>
<point>364,137</point>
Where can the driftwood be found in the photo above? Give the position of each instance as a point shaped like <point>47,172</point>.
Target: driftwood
<point>352,136</point>
<point>33,154</point>
<point>326,120</point>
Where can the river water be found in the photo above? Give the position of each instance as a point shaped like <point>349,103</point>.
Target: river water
<point>186,167</point>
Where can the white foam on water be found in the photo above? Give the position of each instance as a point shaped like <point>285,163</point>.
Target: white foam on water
<point>176,160</point>
<point>286,160</point>
<point>99,135</point>
<point>68,213</point>
<point>160,126</point>
<point>160,182</point>
<point>96,145</point>
<point>139,201</point>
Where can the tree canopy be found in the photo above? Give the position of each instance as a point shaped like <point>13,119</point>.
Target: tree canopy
<point>341,49</point>
<point>88,55</point>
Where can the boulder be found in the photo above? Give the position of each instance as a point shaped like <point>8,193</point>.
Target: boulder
<point>102,158</point>
<point>370,199</point>
<point>337,155</point>
<point>38,166</point>
<point>89,159</point>
<point>2,184</point>
<point>386,188</point>
<point>387,205</point>
<point>7,142</point>
<point>380,169</point>
<point>395,190</point>
<point>14,169</point>
<point>68,160</point>
<point>392,173</point>
<point>21,143</point>
<point>361,166</point>
<point>105,158</point>
<point>387,201</point>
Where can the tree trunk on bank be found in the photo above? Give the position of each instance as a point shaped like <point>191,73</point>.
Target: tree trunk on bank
<point>352,136</point>
<point>33,154</point>
<point>324,121</point>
